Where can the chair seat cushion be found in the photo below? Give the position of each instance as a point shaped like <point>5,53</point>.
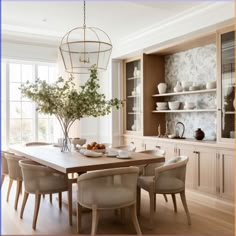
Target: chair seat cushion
<point>107,197</point>
<point>164,184</point>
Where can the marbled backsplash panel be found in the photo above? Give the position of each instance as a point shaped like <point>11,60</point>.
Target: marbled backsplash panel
<point>197,65</point>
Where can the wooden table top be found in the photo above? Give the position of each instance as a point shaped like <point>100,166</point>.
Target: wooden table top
<point>70,162</point>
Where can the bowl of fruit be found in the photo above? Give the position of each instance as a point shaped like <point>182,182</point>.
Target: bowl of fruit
<point>96,147</point>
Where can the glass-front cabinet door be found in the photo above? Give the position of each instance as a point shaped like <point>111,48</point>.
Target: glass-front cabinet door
<point>228,102</point>
<point>133,95</point>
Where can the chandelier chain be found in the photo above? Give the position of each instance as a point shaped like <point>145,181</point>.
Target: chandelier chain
<point>84,15</point>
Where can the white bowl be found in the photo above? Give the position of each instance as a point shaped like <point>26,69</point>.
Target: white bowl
<point>174,105</point>
<point>162,88</point>
<point>211,85</point>
<point>161,105</point>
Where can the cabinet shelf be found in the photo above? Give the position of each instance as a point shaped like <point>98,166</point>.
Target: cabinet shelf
<point>229,112</point>
<point>133,96</point>
<point>185,92</point>
<point>134,113</point>
<point>180,111</point>
<point>133,78</point>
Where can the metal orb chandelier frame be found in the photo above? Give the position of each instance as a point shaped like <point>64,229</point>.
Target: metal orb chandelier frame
<point>83,47</point>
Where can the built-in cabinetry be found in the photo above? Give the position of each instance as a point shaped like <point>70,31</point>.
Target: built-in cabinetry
<point>226,85</point>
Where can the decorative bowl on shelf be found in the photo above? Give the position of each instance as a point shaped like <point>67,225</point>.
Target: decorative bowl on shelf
<point>174,105</point>
<point>193,88</point>
<point>211,84</point>
<point>162,105</point>
<point>189,105</point>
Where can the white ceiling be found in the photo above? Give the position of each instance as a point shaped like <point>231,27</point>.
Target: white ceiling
<point>119,19</point>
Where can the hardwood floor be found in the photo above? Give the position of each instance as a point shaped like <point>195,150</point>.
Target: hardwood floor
<point>205,220</point>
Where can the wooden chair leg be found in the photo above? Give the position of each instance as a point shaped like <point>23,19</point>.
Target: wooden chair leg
<point>60,200</point>
<point>95,217</point>
<point>135,219</point>
<point>166,199</point>
<point>151,196</point>
<point>3,177</point>
<point>174,202</point>
<point>9,189</point>
<point>50,197</point>
<point>183,198</point>
<point>69,192</point>
<point>123,215</point>
<point>79,216</point>
<point>36,209</point>
<point>18,190</point>
<point>26,195</point>
<point>138,201</point>
<point>43,195</point>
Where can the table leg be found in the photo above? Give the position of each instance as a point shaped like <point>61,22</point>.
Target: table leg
<point>70,182</point>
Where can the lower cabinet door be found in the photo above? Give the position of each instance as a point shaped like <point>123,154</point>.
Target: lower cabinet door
<point>169,148</point>
<point>188,150</point>
<point>226,174</point>
<point>206,170</point>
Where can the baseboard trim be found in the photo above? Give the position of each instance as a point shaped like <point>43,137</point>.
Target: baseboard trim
<point>212,201</point>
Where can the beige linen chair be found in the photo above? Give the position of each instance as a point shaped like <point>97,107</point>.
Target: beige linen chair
<point>39,180</point>
<point>149,170</point>
<point>4,165</point>
<point>131,147</point>
<point>168,179</point>
<point>14,172</point>
<point>107,190</point>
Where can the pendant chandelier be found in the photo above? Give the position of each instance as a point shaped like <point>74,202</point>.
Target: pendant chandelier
<point>83,47</point>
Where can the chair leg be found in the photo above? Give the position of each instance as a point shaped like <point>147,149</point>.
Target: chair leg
<point>43,195</point>
<point>183,198</point>
<point>60,200</point>
<point>151,196</point>
<point>18,190</point>
<point>36,209</point>
<point>95,217</point>
<point>3,177</point>
<point>26,195</point>
<point>50,197</point>
<point>79,216</point>
<point>174,202</point>
<point>166,199</point>
<point>9,189</point>
<point>138,201</point>
<point>123,215</point>
<point>135,219</point>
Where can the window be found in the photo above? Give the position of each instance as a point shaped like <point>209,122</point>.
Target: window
<point>19,120</point>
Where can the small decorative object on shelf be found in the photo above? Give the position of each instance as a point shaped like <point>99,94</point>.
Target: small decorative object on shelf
<point>199,134</point>
<point>178,87</point>
<point>162,88</point>
<point>159,131</point>
<point>135,71</point>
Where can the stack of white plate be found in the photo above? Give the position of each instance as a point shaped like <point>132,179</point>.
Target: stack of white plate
<point>161,106</point>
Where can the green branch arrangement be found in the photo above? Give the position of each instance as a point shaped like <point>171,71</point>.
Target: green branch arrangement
<point>68,103</point>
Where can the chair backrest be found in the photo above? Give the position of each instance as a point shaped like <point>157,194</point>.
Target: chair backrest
<point>107,189</point>
<point>131,147</point>
<point>173,168</point>
<point>14,169</point>
<point>37,178</point>
<point>4,162</point>
<point>36,144</point>
<point>149,170</point>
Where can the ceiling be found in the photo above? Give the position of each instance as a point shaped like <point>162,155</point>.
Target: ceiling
<point>50,20</point>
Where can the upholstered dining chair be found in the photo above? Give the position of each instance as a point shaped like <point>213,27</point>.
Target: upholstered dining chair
<point>14,172</point>
<point>168,179</point>
<point>38,180</point>
<point>131,147</point>
<point>4,165</point>
<point>107,190</point>
<point>149,170</point>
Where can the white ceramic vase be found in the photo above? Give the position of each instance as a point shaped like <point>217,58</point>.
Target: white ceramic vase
<point>178,87</point>
<point>162,88</point>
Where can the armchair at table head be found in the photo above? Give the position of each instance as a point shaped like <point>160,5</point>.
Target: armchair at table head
<point>107,189</point>
<point>168,179</point>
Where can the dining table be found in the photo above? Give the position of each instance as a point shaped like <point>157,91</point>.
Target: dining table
<point>75,162</point>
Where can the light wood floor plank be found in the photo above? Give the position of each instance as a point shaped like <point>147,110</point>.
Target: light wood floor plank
<point>205,220</point>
